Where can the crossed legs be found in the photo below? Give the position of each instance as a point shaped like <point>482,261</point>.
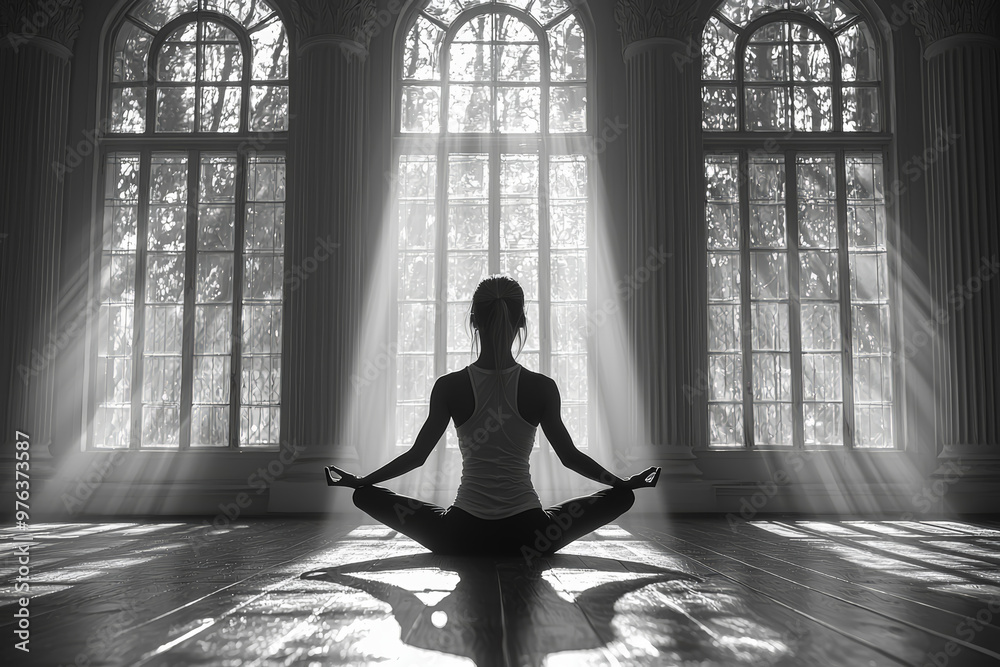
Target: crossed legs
<point>530,534</point>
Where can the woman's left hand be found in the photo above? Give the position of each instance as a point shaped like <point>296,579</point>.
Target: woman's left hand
<point>646,478</point>
<point>344,478</point>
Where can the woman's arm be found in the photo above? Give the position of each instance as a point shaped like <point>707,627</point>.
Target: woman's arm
<point>571,457</point>
<point>429,435</point>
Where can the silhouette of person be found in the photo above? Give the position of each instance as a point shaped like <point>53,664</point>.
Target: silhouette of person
<point>496,405</point>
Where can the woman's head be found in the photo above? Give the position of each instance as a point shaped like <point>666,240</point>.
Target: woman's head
<point>498,314</point>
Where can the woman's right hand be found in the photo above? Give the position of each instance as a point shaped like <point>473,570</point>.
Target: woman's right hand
<point>345,478</point>
<point>647,477</point>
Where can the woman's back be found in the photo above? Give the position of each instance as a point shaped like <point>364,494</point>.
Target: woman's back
<point>530,395</point>
<point>495,441</point>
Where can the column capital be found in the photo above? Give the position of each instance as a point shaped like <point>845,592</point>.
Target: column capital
<point>660,20</point>
<point>49,24</point>
<point>939,19</point>
<point>348,24</point>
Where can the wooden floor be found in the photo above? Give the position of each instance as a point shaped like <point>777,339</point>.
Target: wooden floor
<point>691,591</point>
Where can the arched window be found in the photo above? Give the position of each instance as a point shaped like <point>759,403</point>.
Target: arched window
<point>188,347</point>
<point>493,163</point>
<point>800,332</point>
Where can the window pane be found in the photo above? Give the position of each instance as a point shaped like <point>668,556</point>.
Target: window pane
<point>567,56</point>
<point>131,53</point>
<point>221,62</point>
<point>725,425</point>
<point>518,109</point>
<point>546,10</point>
<point>858,57</point>
<point>128,109</point>
<point>722,201</point>
<point>861,109</point>
<point>156,13</point>
<point>816,184</point>
<point>112,422</point>
<point>871,325</point>
<point>269,108</point>
<point>470,62</point>
<point>177,62</point>
<point>818,273</point>
<point>766,108</point>
<point>421,109</point>
<point>719,108</point>
<point>263,280</point>
<point>717,51</point>
<point>422,51</point>
<point>270,52</point>
<point>568,109</point>
<point>517,62</point>
<point>175,109</point>
<point>470,108</point>
<point>220,109</point>
<point>813,108</point>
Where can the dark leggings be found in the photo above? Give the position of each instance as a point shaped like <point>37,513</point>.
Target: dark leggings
<point>529,534</point>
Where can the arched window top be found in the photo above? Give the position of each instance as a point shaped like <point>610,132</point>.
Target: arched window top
<point>790,65</point>
<point>204,66</point>
<point>830,13</point>
<point>544,11</point>
<point>492,66</point>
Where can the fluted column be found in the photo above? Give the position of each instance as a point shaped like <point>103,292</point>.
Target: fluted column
<point>36,49</point>
<point>664,313</point>
<point>961,104</point>
<point>324,228</point>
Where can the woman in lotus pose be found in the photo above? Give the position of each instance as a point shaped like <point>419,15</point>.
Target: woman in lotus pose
<point>496,404</point>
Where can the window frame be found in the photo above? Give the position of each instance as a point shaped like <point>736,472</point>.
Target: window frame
<point>194,144</point>
<point>791,144</point>
<point>443,143</point>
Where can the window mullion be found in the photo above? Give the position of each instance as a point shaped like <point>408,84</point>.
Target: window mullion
<point>190,279</point>
<point>544,264</point>
<point>794,300</point>
<point>494,193</point>
<point>844,283</point>
<point>745,308</point>
<point>441,263</point>
<point>236,359</point>
<point>139,301</point>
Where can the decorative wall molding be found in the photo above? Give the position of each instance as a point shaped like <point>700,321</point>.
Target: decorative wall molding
<point>936,19</point>
<point>351,19</point>
<point>643,19</point>
<point>21,21</point>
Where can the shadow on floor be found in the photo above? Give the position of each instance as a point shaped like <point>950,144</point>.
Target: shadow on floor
<point>500,608</point>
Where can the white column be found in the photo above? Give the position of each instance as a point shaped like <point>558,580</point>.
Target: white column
<point>665,314</point>
<point>962,101</point>
<point>36,50</point>
<point>325,234</point>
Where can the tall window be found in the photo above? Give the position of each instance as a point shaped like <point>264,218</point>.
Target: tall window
<point>800,332</point>
<point>492,178</point>
<point>188,347</point>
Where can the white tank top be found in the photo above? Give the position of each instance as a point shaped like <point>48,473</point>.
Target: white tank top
<point>495,443</point>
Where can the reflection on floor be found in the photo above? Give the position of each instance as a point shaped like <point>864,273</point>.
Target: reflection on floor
<point>681,592</point>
